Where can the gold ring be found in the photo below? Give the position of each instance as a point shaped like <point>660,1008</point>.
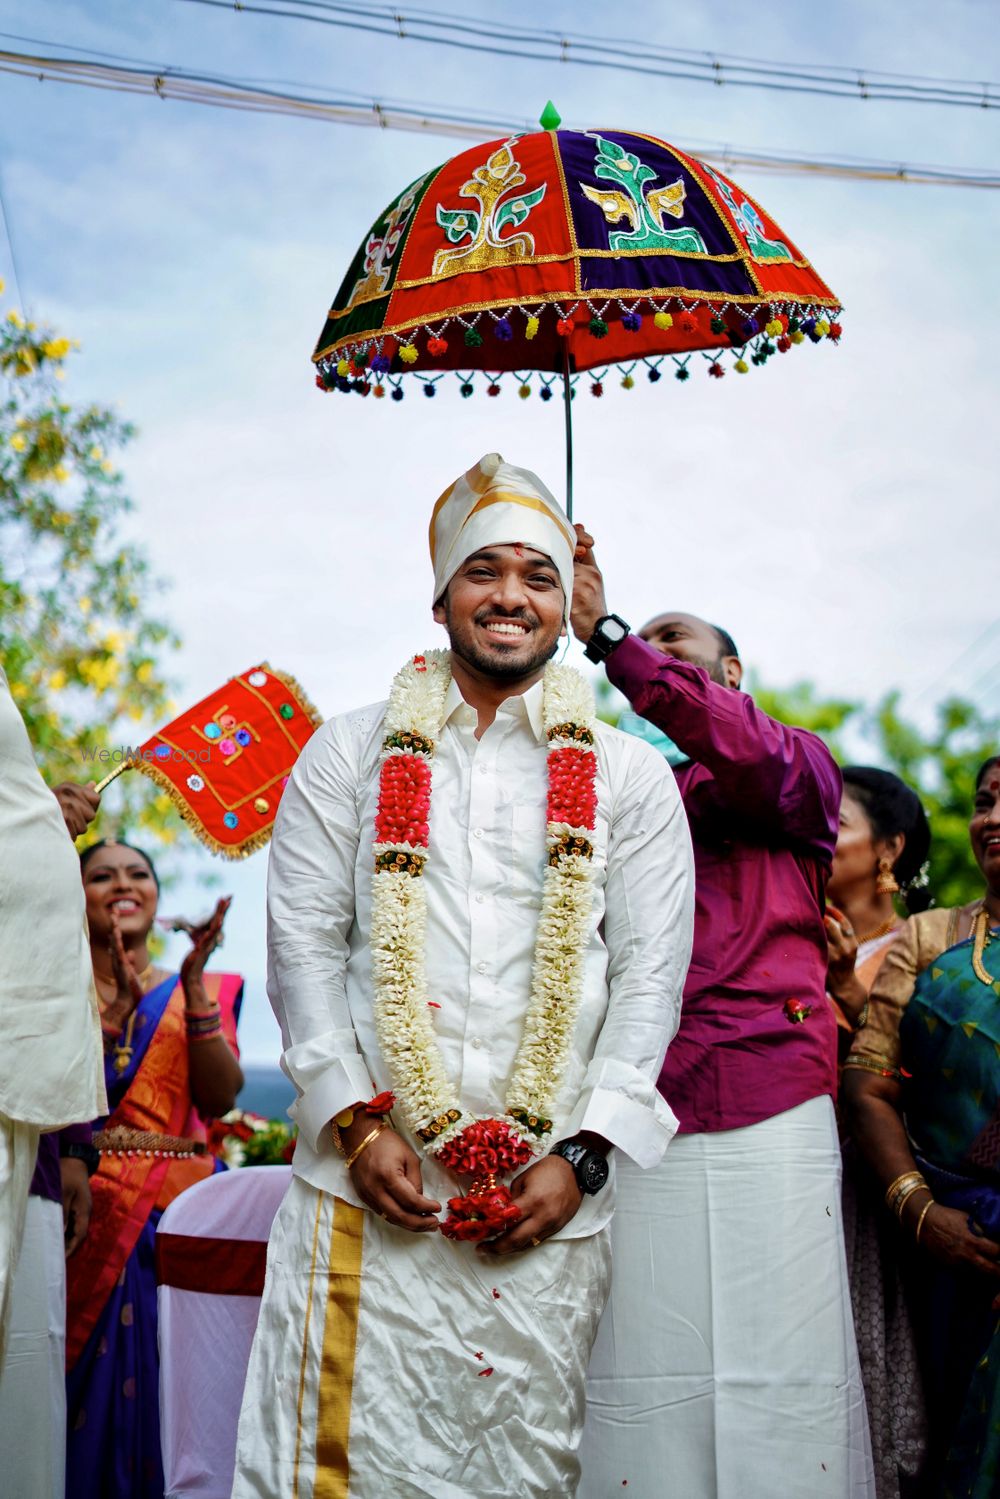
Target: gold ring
<point>535,1243</point>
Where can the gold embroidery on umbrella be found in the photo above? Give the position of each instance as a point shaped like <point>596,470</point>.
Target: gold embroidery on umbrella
<point>494,187</point>
<point>380,250</point>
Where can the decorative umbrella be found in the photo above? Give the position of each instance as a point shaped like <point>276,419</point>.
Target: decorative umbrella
<point>543,256</point>
<point>224,762</point>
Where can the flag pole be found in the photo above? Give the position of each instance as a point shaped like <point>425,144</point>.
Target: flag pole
<point>113,776</point>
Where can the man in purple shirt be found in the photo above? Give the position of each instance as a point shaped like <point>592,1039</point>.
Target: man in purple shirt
<point>726,1360</point>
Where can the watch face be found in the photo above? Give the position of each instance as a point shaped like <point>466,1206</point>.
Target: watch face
<point>613,630</point>
<point>593,1173</point>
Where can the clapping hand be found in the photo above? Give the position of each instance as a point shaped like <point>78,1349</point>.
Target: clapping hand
<point>205,936</point>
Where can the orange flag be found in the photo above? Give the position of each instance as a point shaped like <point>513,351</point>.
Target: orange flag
<point>224,763</point>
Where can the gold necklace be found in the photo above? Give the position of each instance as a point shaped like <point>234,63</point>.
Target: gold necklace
<point>107,1002</point>
<point>123,1048</point>
<point>880,931</point>
<point>981,939</point>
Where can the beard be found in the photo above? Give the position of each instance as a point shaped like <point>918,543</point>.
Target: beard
<point>510,663</point>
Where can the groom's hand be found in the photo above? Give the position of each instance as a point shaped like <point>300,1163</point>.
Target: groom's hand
<point>386,1176</point>
<point>548,1197</point>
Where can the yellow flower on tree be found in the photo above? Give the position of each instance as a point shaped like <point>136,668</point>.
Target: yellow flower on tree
<point>18,443</point>
<point>60,473</point>
<point>56,348</point>
<point>57,681</point>
<point>15,319</point>
<point>96,454</point>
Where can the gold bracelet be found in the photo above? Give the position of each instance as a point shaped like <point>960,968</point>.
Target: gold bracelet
<point>365,1142</point>
<point>910,1192</point>
<point>342,1121</point>
<point>903,1198</point>
<point>897,1189</point>
<point>923,1214</point>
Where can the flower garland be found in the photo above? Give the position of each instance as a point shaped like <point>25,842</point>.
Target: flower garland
<point>466,1145</point>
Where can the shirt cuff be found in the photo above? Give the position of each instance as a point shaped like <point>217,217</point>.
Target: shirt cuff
<point>623,1106</point>
<point>329,1077</point>
<point>632,666</point>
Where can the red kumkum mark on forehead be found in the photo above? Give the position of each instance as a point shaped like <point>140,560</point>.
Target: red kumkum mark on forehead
<point>518,548</point>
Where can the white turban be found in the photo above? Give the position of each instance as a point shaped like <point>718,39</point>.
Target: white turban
<point>496,504</point>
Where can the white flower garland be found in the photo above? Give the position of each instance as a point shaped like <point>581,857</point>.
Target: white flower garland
<point>424,1092</point>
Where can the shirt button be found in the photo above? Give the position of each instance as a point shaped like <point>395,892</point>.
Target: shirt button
<point>476,1043</point>
<point>480,898</point>
<point>484,770</point>
<point>480,967</point>
<point>477,832</point>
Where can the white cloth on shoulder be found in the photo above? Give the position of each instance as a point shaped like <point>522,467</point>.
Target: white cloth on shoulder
<point>50,1030</point>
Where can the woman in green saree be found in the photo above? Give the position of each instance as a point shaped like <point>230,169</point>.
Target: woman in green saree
<point>922,1091</point>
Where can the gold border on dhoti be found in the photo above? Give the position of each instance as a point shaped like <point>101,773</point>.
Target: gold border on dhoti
<point>340,1331</point>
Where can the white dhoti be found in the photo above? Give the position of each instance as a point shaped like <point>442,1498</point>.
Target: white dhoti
<point>33,1382</point>
<point>18,1151</point>
<point>391,1363</point>
<point>725,1366</point>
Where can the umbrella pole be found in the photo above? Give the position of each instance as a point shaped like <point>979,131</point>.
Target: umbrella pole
<point>568,406</point>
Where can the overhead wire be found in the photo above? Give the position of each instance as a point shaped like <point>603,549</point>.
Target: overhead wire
<point>644,58</point>
<point>345,108</point>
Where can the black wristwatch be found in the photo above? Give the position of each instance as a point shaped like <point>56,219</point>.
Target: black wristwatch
<point>589,1166</point>
<point>88,1154</point>
<point>609,631</point>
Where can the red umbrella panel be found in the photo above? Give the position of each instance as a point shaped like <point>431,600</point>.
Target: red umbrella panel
<point>225,762</point>
<point>569,251</point>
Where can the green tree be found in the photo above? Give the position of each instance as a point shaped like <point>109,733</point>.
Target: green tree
<point>79,646</point>
<point>939,762</point>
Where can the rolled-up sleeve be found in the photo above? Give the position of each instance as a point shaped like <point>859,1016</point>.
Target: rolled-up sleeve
<point>310,912</point>
<point>648,923</point>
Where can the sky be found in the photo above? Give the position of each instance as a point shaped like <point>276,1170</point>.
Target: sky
<point>834,511</point>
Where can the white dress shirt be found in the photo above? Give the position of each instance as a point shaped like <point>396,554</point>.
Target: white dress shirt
<point>483,881</point>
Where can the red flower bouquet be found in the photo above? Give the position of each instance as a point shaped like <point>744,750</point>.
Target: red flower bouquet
<point>481,1215</point>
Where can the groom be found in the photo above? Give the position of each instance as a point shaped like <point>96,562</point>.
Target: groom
<point>479,923</point>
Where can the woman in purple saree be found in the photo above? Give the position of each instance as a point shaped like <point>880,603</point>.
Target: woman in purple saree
<point>170,1059</point>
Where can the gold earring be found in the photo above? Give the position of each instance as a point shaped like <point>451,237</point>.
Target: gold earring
<point>885,880</point>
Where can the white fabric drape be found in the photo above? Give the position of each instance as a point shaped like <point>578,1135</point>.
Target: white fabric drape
<point>18,1150</point>
<point>205,1336</point>
<point>33,1382</point>
<point>726,1365</point>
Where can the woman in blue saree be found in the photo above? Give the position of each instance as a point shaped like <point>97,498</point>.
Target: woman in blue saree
<point>170,1044</point>
<point>922,1090</point>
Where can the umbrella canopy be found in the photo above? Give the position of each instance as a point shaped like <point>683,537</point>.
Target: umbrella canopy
<point>565,251</point>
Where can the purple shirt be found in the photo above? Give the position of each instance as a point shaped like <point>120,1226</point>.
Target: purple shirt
<point>47,1180</point>
<point>763,803</point>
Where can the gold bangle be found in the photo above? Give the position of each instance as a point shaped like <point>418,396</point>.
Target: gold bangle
<point>905,1196</point>
<point>899,1187</point>
<point>923,1214</point>
<point>365,1142</point>
<point>910,1192</point>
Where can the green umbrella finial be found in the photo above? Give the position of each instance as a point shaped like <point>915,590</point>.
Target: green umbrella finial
<point>550,119</point>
